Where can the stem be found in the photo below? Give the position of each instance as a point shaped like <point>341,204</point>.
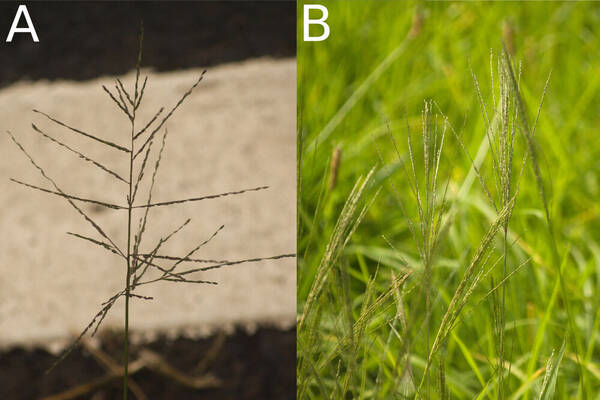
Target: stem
<point>427,317</point>
<point>502,319</point>
<point>127,282</point>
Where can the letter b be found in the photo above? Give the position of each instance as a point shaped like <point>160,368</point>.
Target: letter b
<point>320,21</point>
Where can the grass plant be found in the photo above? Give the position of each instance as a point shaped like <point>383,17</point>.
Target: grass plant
<point>472,273</point>
<point>144,263</point>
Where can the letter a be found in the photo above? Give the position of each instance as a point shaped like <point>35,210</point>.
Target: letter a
<point>15,29</point>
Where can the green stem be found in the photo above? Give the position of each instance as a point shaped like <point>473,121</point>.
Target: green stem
<point>502,319</point>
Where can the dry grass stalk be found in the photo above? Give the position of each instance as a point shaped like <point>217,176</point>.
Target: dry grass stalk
<point>140,265</point>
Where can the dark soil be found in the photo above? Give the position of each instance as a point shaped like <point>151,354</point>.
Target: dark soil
<point>250,366</point>
<point>82,40</point>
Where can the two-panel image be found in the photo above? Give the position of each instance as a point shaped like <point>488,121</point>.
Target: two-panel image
<point>280,200</point>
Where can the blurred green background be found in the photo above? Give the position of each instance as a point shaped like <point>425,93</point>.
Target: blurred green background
<point>380,62</point>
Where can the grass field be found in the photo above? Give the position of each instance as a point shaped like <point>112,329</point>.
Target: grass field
<point>486,284</point>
